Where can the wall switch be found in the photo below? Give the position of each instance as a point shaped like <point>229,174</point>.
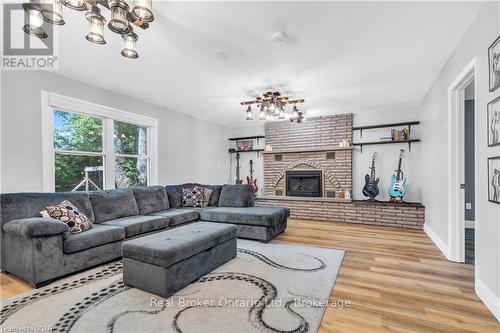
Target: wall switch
<point>468,206</point>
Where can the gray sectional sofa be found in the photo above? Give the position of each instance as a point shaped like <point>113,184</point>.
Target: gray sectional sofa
<point>39,249</point>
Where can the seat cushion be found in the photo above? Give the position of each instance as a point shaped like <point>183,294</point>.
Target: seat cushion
<point>237,196</point>
<point>179,215</point>
<point>98,235</point>
<point>135,225</point>
<point>259,216</point>
<point>151,199</point>
<point>171,246</point>
<point>113,204</point>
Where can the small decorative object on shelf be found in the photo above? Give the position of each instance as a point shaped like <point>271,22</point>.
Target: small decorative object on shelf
<point>269,148</point>
<point>273,106</point>
<point>122,19</point>
<point>344,143</point>
<point>244,145</point>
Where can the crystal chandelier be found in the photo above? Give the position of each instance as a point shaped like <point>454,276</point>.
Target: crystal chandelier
<point>273,106</point>
<point>122,18</point>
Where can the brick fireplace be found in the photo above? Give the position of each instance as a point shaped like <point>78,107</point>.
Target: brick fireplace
<point>311,148</point>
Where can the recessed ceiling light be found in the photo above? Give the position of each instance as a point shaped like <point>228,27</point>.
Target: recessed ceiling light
<point>279,37</point>
<point>221,55</point>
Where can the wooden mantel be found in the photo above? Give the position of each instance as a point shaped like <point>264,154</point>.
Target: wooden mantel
<point>308,150</point>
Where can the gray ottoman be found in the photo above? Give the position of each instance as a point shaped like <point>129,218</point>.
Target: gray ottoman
<point>258,223</point>
<point>166,262</point>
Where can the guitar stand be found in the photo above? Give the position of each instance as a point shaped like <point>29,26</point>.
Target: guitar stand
<point>396,200</point>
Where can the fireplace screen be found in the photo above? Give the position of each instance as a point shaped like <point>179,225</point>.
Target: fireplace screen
<point>304,183</point>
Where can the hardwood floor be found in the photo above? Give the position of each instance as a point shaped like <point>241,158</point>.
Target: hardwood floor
<point>396,280</point>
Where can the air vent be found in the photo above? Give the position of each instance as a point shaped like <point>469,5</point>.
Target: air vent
<point>278,192</point>
<point>330,194</point>
<point>330,155</point>
<point>278,157</point>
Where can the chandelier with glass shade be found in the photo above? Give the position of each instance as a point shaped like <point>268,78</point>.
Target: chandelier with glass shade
<point>121,21</point>
<point>273,107</point>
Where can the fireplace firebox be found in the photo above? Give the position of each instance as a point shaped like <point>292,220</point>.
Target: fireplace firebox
<point>307,183</point>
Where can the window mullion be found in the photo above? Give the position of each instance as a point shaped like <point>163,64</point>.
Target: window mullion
<point>109,154</point>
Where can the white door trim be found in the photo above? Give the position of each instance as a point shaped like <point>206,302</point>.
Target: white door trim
<point>456,199</point>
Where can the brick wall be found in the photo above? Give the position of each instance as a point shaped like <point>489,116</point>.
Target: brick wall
<point>319,132</point>
<point>382,214</point>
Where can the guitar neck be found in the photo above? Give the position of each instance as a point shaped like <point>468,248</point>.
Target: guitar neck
<point>398,176</point>
<point>372,174</point>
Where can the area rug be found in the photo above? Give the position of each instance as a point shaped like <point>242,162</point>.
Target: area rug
<point>273,287</point>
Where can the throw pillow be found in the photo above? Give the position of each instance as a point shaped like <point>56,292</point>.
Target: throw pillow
<point>66,212</point>
<point>192,197</point>
<point>206,195</point>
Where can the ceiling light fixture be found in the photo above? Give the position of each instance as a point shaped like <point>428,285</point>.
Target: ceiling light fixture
<point>273,107</point>
<point>130,45</point>
<point>142,10</point>
<point>96,26</point>
<point>121,21</point>
<point>34,20</point>
<point>52,11</point>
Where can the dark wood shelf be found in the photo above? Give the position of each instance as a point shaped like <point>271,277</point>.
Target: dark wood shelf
<point>369,143</point>
<point>247,138</point>
<point>408,123</point>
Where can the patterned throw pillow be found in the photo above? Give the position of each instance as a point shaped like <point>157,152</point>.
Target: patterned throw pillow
<point>192,197</point>
<point>66,212</point>
<point>206,195</point>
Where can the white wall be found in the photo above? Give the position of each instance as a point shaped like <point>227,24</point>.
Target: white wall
<point>388,155</point>
<point>435,125</point>
<point>189,149</point>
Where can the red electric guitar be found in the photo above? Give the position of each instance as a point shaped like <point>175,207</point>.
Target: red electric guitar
<point>251,180</point>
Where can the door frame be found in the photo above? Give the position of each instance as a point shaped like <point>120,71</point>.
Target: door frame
<point>456,161</point>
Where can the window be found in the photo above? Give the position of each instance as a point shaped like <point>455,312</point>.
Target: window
<point>79,157</point>
<point>132,161</point>
<point>90,147</point>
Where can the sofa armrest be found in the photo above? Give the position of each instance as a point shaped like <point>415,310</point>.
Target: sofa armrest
<point>35,227</point>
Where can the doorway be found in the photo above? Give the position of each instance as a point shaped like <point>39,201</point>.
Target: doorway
<point>469,172</point>
<point>458,156</point>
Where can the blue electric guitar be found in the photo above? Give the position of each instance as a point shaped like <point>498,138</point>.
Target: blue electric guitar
<point>397,190</point>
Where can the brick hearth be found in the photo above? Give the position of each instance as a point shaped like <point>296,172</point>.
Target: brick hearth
<point>409,215</point>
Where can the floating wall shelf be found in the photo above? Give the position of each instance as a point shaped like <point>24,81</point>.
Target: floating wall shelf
<point>407,124</point>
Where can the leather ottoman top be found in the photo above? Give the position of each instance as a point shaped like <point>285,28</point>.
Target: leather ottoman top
<point>171,246</point>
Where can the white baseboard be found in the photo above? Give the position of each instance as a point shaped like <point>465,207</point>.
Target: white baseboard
<point>489,299</point>
<point>442,246</point>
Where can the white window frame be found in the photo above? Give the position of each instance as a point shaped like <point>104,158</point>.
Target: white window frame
<point>51,101</point>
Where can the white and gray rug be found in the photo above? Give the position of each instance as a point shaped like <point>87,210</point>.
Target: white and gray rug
<point>272,287</point>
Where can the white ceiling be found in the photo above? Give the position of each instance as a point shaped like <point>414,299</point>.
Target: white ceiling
<point>340,56</point>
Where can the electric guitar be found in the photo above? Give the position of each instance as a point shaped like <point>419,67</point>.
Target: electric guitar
<point>371,189</point>
<point>398,181</point>
<point>238,180</point>
<point>251,180</point>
